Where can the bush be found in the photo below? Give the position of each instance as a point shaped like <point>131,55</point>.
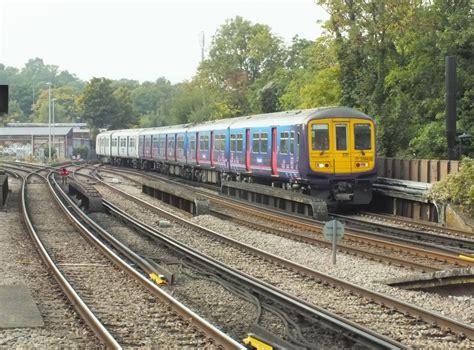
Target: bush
<point>457,188</point>
<point>81,151</point>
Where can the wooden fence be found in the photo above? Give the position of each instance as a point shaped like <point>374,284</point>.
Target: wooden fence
<point>422,170</point>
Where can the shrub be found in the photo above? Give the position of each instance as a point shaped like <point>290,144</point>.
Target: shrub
<point>457,188</point>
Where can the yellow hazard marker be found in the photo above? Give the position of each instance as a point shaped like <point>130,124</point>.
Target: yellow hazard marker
<point>160,280</point>
<point>256,344</point>
<point>465,257</point>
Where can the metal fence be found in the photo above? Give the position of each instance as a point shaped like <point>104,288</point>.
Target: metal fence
<point>422,170</point>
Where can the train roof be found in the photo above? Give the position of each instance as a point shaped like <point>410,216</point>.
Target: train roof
<point>296,117</point>
<point>219,124</point>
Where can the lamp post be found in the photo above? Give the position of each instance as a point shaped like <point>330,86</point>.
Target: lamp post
<point>54,123</point>
<point>49,120</point>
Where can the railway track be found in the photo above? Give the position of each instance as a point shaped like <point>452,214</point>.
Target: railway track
<point>105,298</point>
<point>453,243</point>
<point>417,225</point>
<point>445,258</point>
<point>387,302</point>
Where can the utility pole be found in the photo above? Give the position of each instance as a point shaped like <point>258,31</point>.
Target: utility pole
<point>49,120</point>
<point>451,114</point>
<point>54,125</point>
<point>202,42</point>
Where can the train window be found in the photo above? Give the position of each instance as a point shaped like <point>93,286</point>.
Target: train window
<point>170,143</point>
<point>320,134</point>
<point>219,142</point>
<point>362,136</point>
<point>162,143</point>
<point>284,143</point>
<point>204,143</point>
<point>192,143</point>
<point>256,143</point>
<point>132,143</point>
<point>341,137</point>
<point>180,144</point>
<point>264,142</point>
<point>123,142</point>
<point>240,142</point>
<point>233,140</point>
<point>292,142</point>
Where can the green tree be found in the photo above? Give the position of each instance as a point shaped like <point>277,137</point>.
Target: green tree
<point>315,81</point>
<point>240,54</point>
<point>103,107</point>
<point>65,108</point>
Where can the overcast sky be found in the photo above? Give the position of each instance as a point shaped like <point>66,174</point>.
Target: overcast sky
<point>140,40</point>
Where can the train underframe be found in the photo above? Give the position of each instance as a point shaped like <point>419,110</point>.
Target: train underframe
<point>337,192</point>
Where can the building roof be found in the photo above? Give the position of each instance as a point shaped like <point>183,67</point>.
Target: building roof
<point>25,125</point>
<point>34,131</point>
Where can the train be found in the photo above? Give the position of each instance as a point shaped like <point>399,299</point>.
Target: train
<point>328,153</point>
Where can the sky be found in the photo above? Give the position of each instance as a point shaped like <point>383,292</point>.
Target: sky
<point>139,40</point>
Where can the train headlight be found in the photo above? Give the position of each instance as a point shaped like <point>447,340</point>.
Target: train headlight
<point>322,165</point>
<point>362,165</point>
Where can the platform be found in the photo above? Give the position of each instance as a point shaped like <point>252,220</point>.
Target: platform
<point>18,309</point>
<point>447,282</point>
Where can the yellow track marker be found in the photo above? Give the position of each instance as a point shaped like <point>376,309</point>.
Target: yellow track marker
<point>465,257</point>
<point>257,344</point>
<point>160,280</point>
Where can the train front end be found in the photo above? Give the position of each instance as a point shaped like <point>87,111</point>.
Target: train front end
<point>341,156</point>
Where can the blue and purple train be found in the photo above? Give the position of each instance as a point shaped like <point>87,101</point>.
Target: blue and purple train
<point>325,152</point>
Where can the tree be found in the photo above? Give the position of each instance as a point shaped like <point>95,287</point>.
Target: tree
<point>240,54</point>
<point>315,80</point>
<point>103,107</point>
<point>65,108</point>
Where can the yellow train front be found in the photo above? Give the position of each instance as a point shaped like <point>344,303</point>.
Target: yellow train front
<point>341,156</point>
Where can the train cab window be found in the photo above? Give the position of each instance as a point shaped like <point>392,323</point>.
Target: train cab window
<point>284,143</point>
<point>264,142</point>
<point>320,134</point>
<point>341,137</point>
<point>256,143</point>
<point>240,142</point>
<point>292,143</point>
<point>362,136</point>
<point>204,143</point>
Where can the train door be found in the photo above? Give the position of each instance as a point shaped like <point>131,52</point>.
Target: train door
<point>274,158</point>
<point>342,158</point>
<point>197,148</point>
<point>166,147</point>
<point>247,149</point>
<point>128,145</point>
<point>175,147</point>
<point>211,150</point>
